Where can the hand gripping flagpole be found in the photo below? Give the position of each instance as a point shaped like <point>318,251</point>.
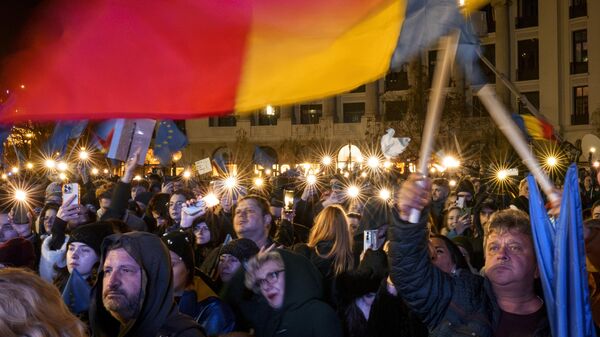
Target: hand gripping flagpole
<point>507,125</point>
<point>434,107</point>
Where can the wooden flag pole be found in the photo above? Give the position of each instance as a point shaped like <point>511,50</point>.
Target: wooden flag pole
<point>509,128</point>
<point>445,60</point>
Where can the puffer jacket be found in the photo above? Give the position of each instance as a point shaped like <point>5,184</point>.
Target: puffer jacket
<point>450,306</point>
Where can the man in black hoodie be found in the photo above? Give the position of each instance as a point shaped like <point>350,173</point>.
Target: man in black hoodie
<point>134,292</point>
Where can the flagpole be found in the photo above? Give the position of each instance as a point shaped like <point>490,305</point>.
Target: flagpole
<point>512,132</point>
<point>435,105</point>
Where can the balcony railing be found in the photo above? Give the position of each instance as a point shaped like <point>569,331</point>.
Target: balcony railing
<point>582,119</point>
<point>526,21</point>
<point>578,11</point>
<point>579,67</point>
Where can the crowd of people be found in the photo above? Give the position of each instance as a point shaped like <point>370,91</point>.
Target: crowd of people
<point>152,257</point>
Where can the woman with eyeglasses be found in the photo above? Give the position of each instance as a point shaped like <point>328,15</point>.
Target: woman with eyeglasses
<point>292,292</point>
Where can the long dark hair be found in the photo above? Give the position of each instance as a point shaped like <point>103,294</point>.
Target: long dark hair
<point>455,254</point>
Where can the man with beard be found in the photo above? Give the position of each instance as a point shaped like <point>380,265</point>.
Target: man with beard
<point>134,292</point>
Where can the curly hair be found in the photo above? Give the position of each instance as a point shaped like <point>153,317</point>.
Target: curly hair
<point>29,306</point>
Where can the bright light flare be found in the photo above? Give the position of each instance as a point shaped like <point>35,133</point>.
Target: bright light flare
<point>268,172</point>
<point>450,162</point>
<point>105,171</point>
<point>502,175</point>
<point>14,170</point>
<point>259,182</point>
<point>187,174</point>
<point>592,149</point>
<point>211,200</point>
<point>596,164</point>
<point>95,171</point>
<point>373,162</point>
<point>62,166</point>
<point>29,166</point>
<point>452,183</point>
<point>326,160</point>
<point>50,163</point>
<point>551,161</point>
<point>4,176</point>
<point>84,155</point>
<point>363,174</point>
<point>230,183</point>
<point>62,176</point>
<point>353,191</point>
<point>20,195</point>
<point>385,194</point>
<point>311,179</point>
<point>387,164</point>
<point>137,177</point>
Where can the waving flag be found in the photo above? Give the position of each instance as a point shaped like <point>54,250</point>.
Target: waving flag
<point>533,127</point>
<point>169,139</point>
<point>180,59</point>
<point>76,293</point>
<point>102,134</point>
<point>561,260</point>
<point>63,132</point>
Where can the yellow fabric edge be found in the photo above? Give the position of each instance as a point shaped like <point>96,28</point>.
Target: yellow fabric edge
<point>299,73</point>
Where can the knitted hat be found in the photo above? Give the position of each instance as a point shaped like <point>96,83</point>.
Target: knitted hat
<point>143,197</point>
<point>91,234</point>
<point>181,243</point>
<point>465,185</point>
<point>17,252</point>
<point>242,249</point>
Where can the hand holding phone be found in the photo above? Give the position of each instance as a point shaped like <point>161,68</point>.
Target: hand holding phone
<point>70,192</point>
<point>370,239</point>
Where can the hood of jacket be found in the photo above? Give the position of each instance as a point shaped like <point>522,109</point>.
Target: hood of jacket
<point>302,280</point>
<point>156,294</point>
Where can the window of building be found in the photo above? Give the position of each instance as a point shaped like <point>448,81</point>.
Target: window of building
<point>488,75</point>
<point>266,116</point>
<point>310,113</point>
<point>527,13</point>
<point>222,121</point>
<point>534,98</point>
<point>353,112</point>
<point>359,89</point>
<point>580,52</point>
<point>580,115</point>
<point>490,18</point>
<point>577,8</point>
<point>431,62</point>
<point>397,80</point>
<point>395,110</point>
<point>528,62</point>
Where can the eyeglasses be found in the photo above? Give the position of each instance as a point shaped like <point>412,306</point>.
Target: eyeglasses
<point>269,279</point>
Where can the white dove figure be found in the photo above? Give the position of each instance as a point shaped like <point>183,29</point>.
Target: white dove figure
<point>392,147</point>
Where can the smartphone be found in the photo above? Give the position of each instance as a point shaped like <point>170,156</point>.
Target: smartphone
<point>370,239</point>
<point>464,211</point>
<point>460,202</point>
<point>288,200</point>
<point>69,190</point>
<point>199,205</point>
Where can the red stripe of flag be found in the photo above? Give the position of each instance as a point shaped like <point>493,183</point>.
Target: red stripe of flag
<point>160,60</point>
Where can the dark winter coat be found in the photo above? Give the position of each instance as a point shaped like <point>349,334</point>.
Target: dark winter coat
<point>158,314</point>
<point>303,313</point>
<point>450,306</point>
<point>324,266</point>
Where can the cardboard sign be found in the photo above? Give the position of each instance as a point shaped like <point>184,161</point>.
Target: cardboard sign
<point>130,135</point>
<point>203,166</point>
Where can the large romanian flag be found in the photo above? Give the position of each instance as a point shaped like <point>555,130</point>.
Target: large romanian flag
<point>180,59</point>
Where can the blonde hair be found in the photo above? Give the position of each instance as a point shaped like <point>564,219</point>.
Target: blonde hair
<point>29,306</point>
<point>255,263</point>
<point>332,225</point>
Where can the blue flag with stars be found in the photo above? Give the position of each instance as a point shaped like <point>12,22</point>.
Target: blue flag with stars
<point>169,139</point>
<point>63,132</point>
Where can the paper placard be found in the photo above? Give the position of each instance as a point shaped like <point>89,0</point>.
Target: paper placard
<point>203,166</point>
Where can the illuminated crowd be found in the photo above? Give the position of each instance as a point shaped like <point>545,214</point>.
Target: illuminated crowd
<point>322,249</point>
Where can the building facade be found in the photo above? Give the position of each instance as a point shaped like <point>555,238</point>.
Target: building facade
<point>549,49</point>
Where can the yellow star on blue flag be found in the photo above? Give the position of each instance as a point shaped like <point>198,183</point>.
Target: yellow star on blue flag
<point>169,139</point>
